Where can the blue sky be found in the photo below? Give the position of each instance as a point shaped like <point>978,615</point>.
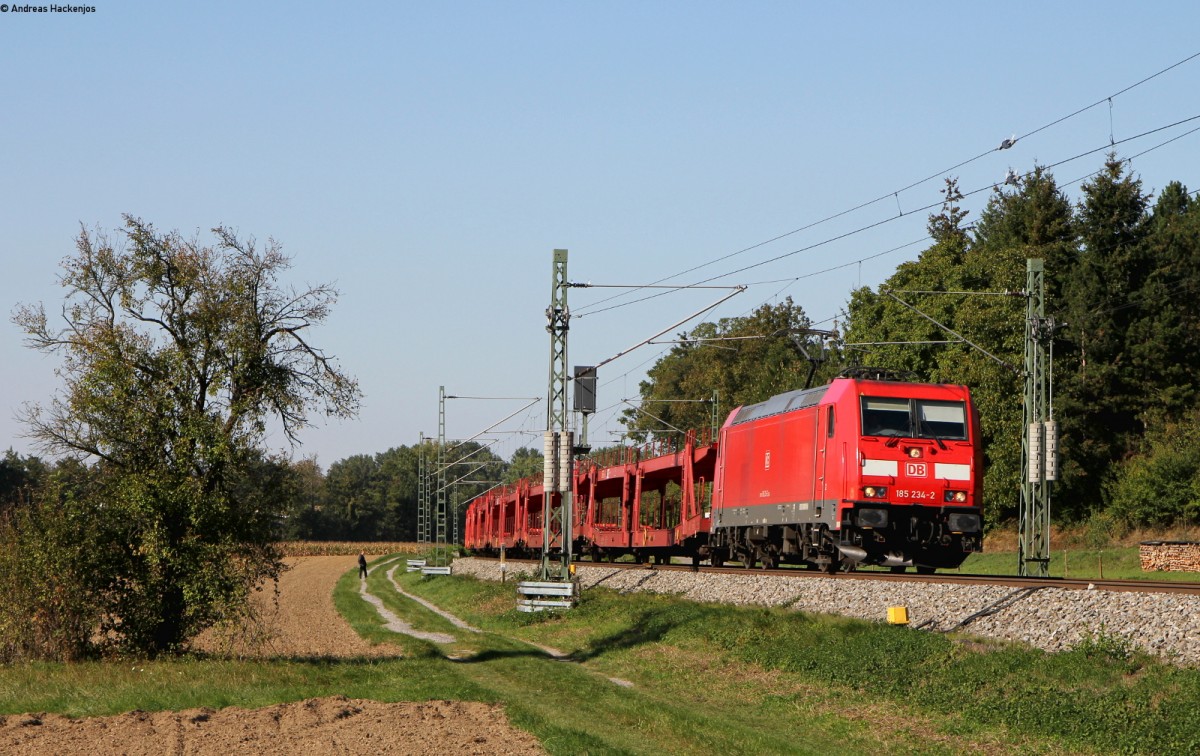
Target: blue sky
<point>428,157</point>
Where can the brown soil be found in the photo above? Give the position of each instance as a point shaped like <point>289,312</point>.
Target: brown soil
<point>317,726</point>
<point>302,622</point>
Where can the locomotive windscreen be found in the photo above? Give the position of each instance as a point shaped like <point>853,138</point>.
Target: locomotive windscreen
<point>946,420</point>
<point>913,418</point>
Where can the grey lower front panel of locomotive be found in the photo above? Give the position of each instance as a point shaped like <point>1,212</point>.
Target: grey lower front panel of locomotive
<point>777,514</point>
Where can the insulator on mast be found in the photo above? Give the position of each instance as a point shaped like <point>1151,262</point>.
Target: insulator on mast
<point>549,461</point>
<point>1035,452</point>
<point>1051,450</point>
<point>565,440</point>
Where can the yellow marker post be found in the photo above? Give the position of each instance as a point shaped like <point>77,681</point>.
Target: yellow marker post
<point>897,615</point>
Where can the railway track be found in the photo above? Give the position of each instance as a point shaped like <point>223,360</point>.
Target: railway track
<point>1013,581</point>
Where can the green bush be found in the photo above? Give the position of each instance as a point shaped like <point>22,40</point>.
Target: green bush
<point>1161,488</point>
<point>1103,529</point>
<point>49,559</point>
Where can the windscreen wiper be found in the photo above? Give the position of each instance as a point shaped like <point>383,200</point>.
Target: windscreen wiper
<point>925,424</point>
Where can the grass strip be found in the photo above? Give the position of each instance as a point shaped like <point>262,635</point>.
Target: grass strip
<point>1101,697</point>
<point>705,679</point>
<point>1115,563</point>
<point>104,688</point>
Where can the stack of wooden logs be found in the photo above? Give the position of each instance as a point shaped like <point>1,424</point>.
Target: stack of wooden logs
<point>1170,556</point>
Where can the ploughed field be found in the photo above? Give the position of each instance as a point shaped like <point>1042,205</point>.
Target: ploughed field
<point>301,623</point>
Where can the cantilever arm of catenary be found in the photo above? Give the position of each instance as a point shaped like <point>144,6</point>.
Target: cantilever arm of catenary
<point>737,290</point>
<point>953,332</point>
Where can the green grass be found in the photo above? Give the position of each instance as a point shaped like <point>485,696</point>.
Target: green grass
<point>678,704</point>
<point>101,688</point>
<point>732,664</point>
<point>706,679</point>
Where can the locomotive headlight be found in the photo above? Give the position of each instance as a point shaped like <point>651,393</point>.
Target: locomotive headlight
<point>875,492</point>
<point>914,452</point>
<point>957,497</point>
<point>871,518</point>
<point>961,522</point>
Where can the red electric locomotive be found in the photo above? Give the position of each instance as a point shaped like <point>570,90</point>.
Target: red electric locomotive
<point>860,471</point>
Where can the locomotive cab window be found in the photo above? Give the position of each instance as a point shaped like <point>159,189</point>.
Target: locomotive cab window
<point>944,420</point>
<point>884,416</point>
<point>914,418</point>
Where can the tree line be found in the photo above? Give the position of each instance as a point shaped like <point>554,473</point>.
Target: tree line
<point>376,497</point>
<point>364,497</point>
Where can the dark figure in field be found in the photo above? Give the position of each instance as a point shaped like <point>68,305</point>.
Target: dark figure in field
<point>362,566</point>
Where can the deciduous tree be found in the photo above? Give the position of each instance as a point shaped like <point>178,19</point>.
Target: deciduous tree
<point>176,355</point>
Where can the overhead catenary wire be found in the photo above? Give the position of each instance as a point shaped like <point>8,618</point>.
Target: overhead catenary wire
<point>972,293</point>
<point>498,422</point>
<point>952,332</point>
<point>791,280</point>
<point>1134,302</point>
<point>1131,158</point>
<point>976,191</point>
<point>480,448</point>
<point>890,219</point>
<point>622,353</point>
<point>904,343</point>
<point>852,263</point>
<point>1111,143</point>
<point>1005,144</point>
<point>653,416</point>
<point>463,477</point>
<point>1109,98</point>
<point>608,417</point>
<point>1129,139</point>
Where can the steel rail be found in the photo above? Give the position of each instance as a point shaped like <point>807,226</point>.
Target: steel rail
<point>1013,581</point>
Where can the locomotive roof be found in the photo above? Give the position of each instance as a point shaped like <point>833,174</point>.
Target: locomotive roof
<point>791,400</point>
<point>794,400</point>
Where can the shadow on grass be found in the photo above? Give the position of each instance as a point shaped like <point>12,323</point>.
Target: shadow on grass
<point>497,654</point>
<point>649,626</point>
<point>321,660</point>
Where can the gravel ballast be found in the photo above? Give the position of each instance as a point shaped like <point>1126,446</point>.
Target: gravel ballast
<point>1053,619</point>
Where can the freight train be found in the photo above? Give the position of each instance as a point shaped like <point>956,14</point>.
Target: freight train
<point>862,471</point>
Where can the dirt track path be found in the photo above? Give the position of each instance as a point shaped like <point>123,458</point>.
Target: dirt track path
<point>305,623</point>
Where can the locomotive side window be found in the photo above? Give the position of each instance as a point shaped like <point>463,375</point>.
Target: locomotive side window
<point>883,416</point>
<point>829,421</point>
<point>945,420</point>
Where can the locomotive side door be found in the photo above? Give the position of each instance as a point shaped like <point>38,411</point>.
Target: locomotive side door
<point>818,454</point>
<point>826,426</point>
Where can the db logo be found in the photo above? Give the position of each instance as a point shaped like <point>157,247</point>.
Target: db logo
<point>916,469</point>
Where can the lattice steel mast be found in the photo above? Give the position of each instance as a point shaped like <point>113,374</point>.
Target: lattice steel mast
<point>1039,442</point>
<point>556,474</point>
<point>422,495</point>
<point>441,551</point>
